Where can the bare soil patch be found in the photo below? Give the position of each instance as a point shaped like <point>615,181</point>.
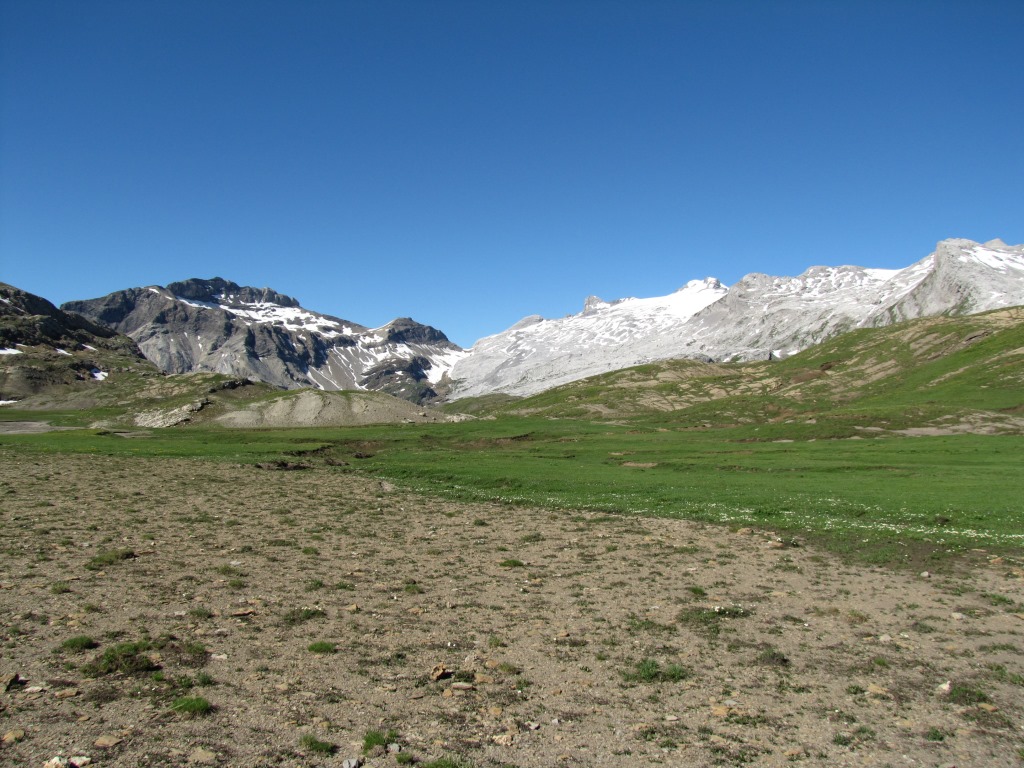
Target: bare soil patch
<point>309,608</point>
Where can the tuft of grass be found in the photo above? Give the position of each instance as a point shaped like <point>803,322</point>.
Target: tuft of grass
<point>512,563</point>
<point>965,695</point>
<point>108,558</point>
<point>378,739</point>
<point>322,646</point>
<point>650,671</point>
<point>311,743</point>
<point>60,588</point>
<point>123,658</point>
<point>192,706</point>
<point>79,643</point>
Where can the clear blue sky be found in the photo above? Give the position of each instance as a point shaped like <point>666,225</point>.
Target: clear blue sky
<point>469,163</point>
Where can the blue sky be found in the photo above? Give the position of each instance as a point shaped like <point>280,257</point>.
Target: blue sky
<point>469,163</point>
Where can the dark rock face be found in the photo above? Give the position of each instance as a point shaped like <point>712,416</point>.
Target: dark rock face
<point>258,333</point>
<point>54,348</point>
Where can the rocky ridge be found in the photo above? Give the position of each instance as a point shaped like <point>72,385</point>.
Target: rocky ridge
<point>760,317</point>
<point>216,325</point>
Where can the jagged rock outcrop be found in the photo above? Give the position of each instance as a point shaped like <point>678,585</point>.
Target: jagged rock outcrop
<point>217,325</point>
<point>759,317</point>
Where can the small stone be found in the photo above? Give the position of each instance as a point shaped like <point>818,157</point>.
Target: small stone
<point>203,756</point>
<point>79,761</point>
<point>66,693</point>
<point>885,639</point>
<point>106,741</point>
<point>988,707</point>
<point>532,726</point>
<point>352,762</point>
<point>944,689</point>
<point>394,748</point>
<point>482,679</point>
<point>14,735</point>
<point>219,656</point>
<point>352,608</point>
<point>463,687</point>
<point>794,752</point>
<point>925,575</point>
<point>957,616</point>
<point>503,739</point>
<point>720,711</point>
<point>495,711</point>
<point>671,718</point>
<point>55,762</point>
<point>877,690</point>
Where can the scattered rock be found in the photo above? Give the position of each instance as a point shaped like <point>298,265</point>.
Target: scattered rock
<point>943,690</point>
<point>79,761</point>
<point>958,616</point>
<point>16,734</point>
<point>66,693</point>
<point>56,762</point>
<point>106,741</point>
<point>352,762</point>
<point>504,739</point>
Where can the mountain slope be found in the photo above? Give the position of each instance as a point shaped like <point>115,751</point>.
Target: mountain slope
<point>43,348</point>
<point>216,325</point>
<point>759,317</point>
<point>936,373</point>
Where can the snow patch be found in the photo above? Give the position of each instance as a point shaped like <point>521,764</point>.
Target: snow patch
<point>62,352</point>
<point>10,351</point>
<point>99,375</point>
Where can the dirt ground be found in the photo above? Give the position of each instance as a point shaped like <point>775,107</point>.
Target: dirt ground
<point>483,634</point>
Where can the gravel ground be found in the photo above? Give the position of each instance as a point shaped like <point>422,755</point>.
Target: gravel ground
<point>310,608</point>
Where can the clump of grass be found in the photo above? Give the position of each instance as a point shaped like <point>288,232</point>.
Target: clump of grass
<point>650,671</point>
<point>965,695</point>
<point>192,706</point>
<point>378,739</point>
<point>322,646</point>
<point>301,615</point>
<point>200,612</point>
<point>512,563</point>
<point>123,658</point>
<point>60,588</point>
<point>79,643</point>
<point>311,743</point>
<point>108,558</point>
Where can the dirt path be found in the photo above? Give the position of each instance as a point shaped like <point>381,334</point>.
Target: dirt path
<point>556,640</point>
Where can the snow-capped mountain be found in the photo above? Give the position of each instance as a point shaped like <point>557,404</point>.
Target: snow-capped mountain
<point>758,317</point>
<point>217,325</point>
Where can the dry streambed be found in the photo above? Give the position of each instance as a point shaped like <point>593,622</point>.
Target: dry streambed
<point>310,608</point>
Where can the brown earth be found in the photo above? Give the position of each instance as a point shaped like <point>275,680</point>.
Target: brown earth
<point>556,639</point>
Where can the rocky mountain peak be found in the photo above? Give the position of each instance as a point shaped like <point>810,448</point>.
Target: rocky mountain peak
<point>217,290</point>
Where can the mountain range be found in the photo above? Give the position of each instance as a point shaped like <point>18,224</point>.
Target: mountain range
<point>257,334</point>
<point>759,318</point>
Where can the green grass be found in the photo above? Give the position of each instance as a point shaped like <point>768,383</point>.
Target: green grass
<point>311,743</point>
<point>192,706</point>
<point>128,658</point>
<point>378,739</point>
<point>108,558</point>
<point>322,646</point>
<point>79,643</point>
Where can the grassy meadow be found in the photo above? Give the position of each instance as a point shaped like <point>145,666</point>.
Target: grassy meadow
<point>882,499</point>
